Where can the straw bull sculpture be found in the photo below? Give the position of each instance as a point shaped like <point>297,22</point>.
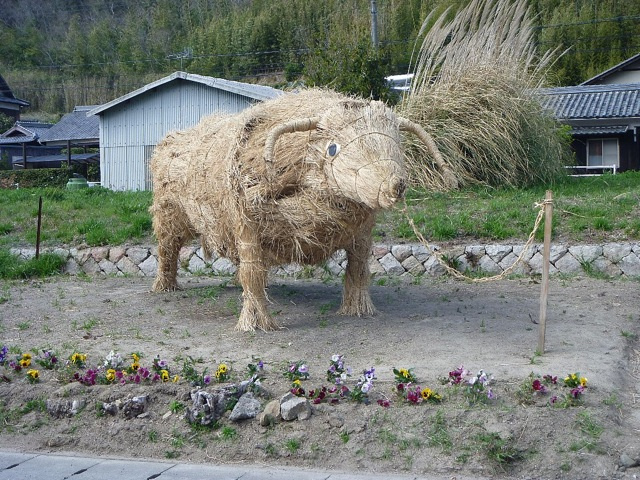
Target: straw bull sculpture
<point>290,180</point>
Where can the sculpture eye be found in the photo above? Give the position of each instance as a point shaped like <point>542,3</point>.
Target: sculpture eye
<point>333,149</point>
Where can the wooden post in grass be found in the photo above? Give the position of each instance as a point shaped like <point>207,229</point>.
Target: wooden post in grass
<point>38,228</point>
<point>546,254</point>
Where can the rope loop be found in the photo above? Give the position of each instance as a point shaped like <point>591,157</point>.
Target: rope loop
<point>455,273</point>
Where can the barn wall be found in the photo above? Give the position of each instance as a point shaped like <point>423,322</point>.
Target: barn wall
<point>130,131</point>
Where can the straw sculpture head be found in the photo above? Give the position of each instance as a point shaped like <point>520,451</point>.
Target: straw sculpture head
<point>290,180</point>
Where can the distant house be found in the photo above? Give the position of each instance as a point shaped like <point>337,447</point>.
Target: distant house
<point>604,115</point>
<point>132,125</point>
<point>74,130</point>
<point>21,143</point>
<point>10,105</point>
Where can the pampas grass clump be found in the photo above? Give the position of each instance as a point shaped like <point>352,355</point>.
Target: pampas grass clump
<point>474,92</point>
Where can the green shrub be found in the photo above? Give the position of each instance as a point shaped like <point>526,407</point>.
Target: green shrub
<point>14,267</point>
<point>39,177</point>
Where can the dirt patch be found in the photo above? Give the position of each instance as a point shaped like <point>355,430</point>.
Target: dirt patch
<point>431,328</point>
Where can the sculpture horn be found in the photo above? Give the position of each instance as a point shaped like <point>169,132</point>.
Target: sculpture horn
<point>408,126</point>
<point>301,125</point>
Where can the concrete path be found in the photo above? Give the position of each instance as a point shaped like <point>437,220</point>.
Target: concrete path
<point>34,466</point>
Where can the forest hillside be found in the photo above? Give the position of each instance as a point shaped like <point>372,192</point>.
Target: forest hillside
<point>62,53</point>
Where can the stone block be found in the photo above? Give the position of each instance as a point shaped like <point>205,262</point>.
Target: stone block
<point>223,266</point>
<point>586,253</point>
<point>433,267</point>
<point>149,267</point>
<point>401,252</point>
<point>391,265</point>
<point>196,264</point>
<point>421,253</point>
<point>108,267</point>
<point>116,253</point>
<point>630,265</point>
<point>488,265</point>
<point>379,251</point>
<point>127,267</point>
<point>616,251</point>
<point>569,265</point>
<point>99,253</point>
<point>498,252</point>
<point>137,254</point>
<point>375,268</point>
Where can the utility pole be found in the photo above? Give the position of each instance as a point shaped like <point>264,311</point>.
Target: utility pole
<point>374,24</point>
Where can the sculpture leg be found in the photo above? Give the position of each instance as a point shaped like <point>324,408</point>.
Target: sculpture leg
<point>172,233</point>
<point>355,298</point>
<point>252,275</point>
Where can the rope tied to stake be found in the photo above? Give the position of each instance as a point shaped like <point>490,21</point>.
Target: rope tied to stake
<point>455,273</point>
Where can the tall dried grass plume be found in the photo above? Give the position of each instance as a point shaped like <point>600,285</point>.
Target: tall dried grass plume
<point>474,87</point>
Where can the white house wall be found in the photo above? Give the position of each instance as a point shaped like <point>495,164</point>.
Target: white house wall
<point>130,131</point>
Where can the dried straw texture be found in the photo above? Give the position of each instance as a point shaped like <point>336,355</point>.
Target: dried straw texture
<point>473,90</point>
<point>297,203</point>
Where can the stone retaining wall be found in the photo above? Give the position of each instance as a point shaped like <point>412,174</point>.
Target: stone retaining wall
<point>611,259</point>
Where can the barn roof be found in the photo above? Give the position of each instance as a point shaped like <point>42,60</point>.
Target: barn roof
<point>257,92</point>
<point>593,101</point>
<point>74,126</point>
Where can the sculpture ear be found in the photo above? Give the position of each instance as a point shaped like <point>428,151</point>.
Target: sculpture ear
<point>408,126</point>
<point>300,125</point>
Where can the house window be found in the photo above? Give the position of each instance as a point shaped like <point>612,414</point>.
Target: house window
<point>603,152</point>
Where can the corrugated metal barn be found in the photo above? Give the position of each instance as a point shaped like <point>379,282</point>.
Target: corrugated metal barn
<point>132,125</point>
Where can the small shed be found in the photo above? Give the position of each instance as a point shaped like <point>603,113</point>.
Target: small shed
<point>132,125</point>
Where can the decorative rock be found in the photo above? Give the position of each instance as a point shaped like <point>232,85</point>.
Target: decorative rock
<point>110,408</point>
<point>247,407</point>
<point>273,408</point>
<point>391,265</point>
<point>135,406</point>
<point>292,407</point>
<point>64,408</point>
<point>474,253</point>
<point>72,267</point>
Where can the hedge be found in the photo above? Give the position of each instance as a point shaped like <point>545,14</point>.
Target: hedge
<point>40,177</point>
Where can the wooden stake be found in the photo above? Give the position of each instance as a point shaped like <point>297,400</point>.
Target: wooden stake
<point>38,229</point>
<point>546,254</point>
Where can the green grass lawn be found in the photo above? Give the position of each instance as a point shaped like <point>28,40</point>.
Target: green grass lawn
<point>586,210</point>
